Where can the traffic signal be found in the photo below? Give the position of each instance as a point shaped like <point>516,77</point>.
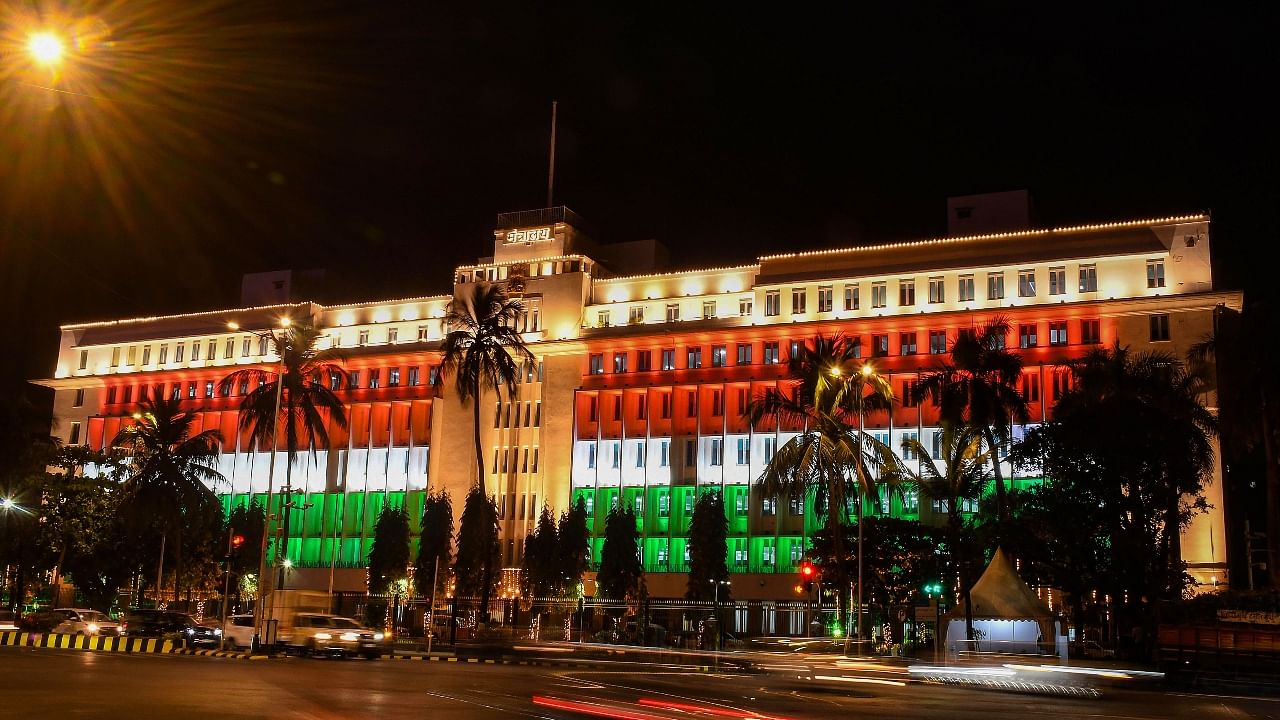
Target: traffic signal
<point>933,589</point>
<point>808,573</point>
<point>234,544</point>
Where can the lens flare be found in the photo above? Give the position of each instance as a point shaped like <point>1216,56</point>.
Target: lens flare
<point>45,48</point>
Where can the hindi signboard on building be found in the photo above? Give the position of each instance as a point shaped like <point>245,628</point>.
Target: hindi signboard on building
<point>528,235</point>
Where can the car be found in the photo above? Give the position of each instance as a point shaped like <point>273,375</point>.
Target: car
<point>238,631</point>
<point>83,622</point>
<point>317,633</point>
<point>8,621</point>
<point>1094,649</point>
<point>174,625</point>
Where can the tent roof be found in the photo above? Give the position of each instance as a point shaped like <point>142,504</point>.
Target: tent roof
<point>1000,593</point>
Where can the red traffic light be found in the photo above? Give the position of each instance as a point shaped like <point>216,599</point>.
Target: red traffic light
<point>807,569</point>
<point>237,541</point>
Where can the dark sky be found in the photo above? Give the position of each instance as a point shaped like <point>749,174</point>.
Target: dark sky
<point>193,140</point>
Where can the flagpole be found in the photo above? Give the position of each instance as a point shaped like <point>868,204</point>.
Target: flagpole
<point>551,165</point>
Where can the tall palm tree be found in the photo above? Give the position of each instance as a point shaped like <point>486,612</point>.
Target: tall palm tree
<point>299,386</point>
<point>833,457</point>
<point>979,387</point>
<point>483,350</point>
<point>172,470</point>
<point>961,476</point>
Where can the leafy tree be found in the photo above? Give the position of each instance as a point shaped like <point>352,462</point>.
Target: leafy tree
<point>172,469</point>
<point>621,575</point>
<point>961,477</point>
<point>389,556</point>
<point>833,457</point>
<point>435,547</point>
<point>708,548</point>
<point>477,547</point>
<point>1132,435</point>
<point>575,545</point>
<point>542,565</point>
<point>300,385</point>
<point>979,387</point>
<point>250,522</point>
<point>901,557</point>
<point>482,351</point>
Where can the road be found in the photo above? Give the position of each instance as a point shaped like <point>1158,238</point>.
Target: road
<point>58,684</point>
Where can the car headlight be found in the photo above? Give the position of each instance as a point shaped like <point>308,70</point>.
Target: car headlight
<point>323,636</point>
<point>350,636</point>
<point>217,631</point>
<point>92,627</point>
<point>378,636</point>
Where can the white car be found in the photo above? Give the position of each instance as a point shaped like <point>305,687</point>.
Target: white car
<point>8,621</point>
<point>78,621</point>
<point>238,632</point>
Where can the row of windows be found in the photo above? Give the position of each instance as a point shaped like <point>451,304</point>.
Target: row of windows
<point>908,344</point>
<point>515,459</point>
<point>1086,282</point>
<point>509,414</point>
<point>395,377</point>
<point>768,506</point>
<point>715,455</point>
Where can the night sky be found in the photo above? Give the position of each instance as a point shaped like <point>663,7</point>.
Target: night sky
<point>190,141</point>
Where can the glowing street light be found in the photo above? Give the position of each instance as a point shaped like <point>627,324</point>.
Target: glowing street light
<point>45,48</point>
<point>7,504</point>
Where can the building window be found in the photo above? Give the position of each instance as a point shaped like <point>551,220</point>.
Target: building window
<point>1088,278</point>
<point>719,355</point>
<point>879,294</point>
<point>964,288</point>
<point>693,358</point>
<point>1057,281</point>
<point>128,392</point>
<point>1155,273</point>
<point>740,502</point>
<point>824,299</point>
<point>177,352</point>
<point>593,409</point>
<point>798,298</point>
<point>1090,332</point>
<point>1027,336</point>
<point>744,307</point>
<point>909,440</point>
<point>591,464</point>
<point>229,351</point>
<point>195,351</point>
<point>1061,384</point>
<point>937,290</point>
<point>796,505</point>
<point>111,395</point>
<point>995,286</point>
<point>79,398</point>
<point>1030,390</point>
<point>771,353</point>
<point>907,343</point>
<point>906,293</point>
<point>690,453</point>
<point>115,356</point>
<point>708,309</point>
<point>692,407</point>
<point>673,312</point>
<point>176,393</point>
<point>937,342</point>
<point>879,345</point>
<point>617,409</point>
<point>393,377</point>
<point>717,403</point>
<point>744,451</point>
<point>74,437</point>
<point>393,335</point>
<point>353,380</point>
<point>1058,332</point>
<point>362,338</point>
<point>1026,283</point>
<point>635,315</point>
<point>855,346</point>
<point>716,456</point>
<point>908,395</point>
<point>208,388</point>
<point>146,355</point>
<point>744,354</point>
<point>245,347</point>
<point>666,405</point>
<point>602,319</point>
<point>423,333</point>
<point>375,379</point>
<point>619,362</point>
<point>616,461</point>
<point>1159,328</point>
<point>664,453</point>
<point>642,407</point>
<point>772,303</point>
<point>768,506</point>
<point>851,300</point>
<point>84,359</point>
<point>597,364</point>
<point>413,377</point>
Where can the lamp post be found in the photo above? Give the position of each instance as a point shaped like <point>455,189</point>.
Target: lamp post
<point>259,622</point>
<point>865,371</point>
<point>715,611</point>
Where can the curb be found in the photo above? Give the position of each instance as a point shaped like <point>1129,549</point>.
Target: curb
<point>81,642</point>
<point>514,661</point>
<point>219,653</point>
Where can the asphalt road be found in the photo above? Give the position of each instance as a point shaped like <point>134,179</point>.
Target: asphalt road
<point>71,684</point>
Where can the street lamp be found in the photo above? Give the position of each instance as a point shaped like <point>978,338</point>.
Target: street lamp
<point>865,371</point>
<point>45,47</point>
<point>715,611</point>
<point>259,626</point>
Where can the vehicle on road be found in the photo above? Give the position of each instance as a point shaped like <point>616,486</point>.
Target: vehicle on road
<point>171,625</point>
<point>238,632</point>
<point>84,622</point>
<point>8,621</point>
<point>320,634</point>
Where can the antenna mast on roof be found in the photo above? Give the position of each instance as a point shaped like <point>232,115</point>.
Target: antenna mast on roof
<point>551,167</point>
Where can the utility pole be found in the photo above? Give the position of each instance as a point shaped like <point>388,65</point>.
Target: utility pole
<point>551,165</point>
<point>226,586</point>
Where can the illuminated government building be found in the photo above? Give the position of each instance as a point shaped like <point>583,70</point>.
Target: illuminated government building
<point>642,376</point>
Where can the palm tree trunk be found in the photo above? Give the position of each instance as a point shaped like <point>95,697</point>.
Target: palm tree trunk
<point>1272,476</point>
<point>1001,503</point>
<point>1173,543</point>
<point>486,564</point>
